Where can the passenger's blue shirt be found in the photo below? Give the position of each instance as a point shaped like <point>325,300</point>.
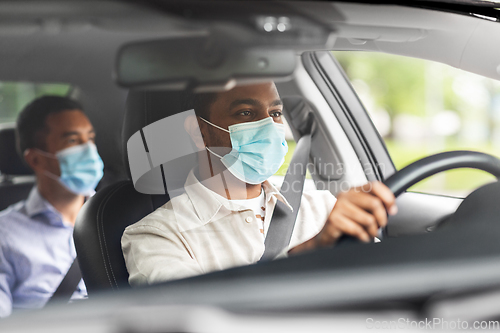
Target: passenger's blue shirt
<point>36,252</point>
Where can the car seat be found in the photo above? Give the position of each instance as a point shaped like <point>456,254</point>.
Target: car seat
<point>17,178</point>
<point>104,217</point>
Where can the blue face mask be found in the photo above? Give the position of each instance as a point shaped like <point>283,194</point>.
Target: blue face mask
<point>81,168</point>
<point>259,149</point>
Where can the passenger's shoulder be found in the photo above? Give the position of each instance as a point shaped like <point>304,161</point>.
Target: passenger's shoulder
<point>11,213</point>
<point>13,223</point>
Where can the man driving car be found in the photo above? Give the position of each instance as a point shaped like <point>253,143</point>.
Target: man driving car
<point>56,139</point>
<point>223,217</point>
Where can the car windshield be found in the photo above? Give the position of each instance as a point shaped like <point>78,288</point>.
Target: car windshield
<point>248,160</point>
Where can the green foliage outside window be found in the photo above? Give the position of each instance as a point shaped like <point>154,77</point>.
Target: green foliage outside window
<point>422,108</point>
<point>14,96</point>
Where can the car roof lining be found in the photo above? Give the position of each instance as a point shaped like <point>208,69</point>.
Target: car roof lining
<point>80,34</point>
<point>460,41</point>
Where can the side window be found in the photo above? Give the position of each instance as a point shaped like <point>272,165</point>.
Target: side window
<point>14,96</point>
<point>421,108</point>
<point>277,178</point>
<point>291,148</point>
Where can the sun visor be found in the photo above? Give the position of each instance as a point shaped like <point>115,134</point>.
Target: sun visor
<point>161,155</point>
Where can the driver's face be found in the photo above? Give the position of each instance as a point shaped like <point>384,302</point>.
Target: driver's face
<point>239,105</point>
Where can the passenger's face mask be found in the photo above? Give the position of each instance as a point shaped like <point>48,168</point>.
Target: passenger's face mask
<point>81,168</point>
<point>259,149</point>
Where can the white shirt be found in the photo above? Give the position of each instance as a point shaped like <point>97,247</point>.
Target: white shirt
<point>200,232</point>
<point>257,205</point>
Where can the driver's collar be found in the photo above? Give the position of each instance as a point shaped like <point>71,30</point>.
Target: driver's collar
<point>207,203</point>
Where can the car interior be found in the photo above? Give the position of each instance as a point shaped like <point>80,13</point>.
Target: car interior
<point>17,177</point>
<point>108,52</point>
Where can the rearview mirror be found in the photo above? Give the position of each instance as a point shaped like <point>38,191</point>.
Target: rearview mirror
<point>201,62</point>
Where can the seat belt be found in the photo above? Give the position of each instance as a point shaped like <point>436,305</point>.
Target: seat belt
<point>68,284</point>
<point>283,219</point>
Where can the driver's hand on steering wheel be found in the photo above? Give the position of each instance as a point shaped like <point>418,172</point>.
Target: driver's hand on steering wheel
<point>359,212</point>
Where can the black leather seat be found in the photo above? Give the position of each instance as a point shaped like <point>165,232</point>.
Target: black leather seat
<point>103,218</point>
<point>17,178</point>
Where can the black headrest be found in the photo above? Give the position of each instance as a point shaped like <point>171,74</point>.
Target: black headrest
<point>145,107</point>
<point>10,162</point>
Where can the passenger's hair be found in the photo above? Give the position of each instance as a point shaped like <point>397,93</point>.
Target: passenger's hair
<point>200,103</point>
<point>31,129</point>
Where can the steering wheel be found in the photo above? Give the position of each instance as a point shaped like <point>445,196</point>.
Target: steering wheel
<point>431,165</point>
<point>428,166</point>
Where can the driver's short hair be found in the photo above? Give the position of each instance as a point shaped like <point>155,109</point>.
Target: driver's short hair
<point>200,102</point>
<point>31,127</point>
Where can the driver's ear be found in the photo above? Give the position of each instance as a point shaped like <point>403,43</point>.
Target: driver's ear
<point>191,125</point>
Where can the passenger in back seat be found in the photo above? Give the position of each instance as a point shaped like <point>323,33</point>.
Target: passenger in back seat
<point>56,139</point>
